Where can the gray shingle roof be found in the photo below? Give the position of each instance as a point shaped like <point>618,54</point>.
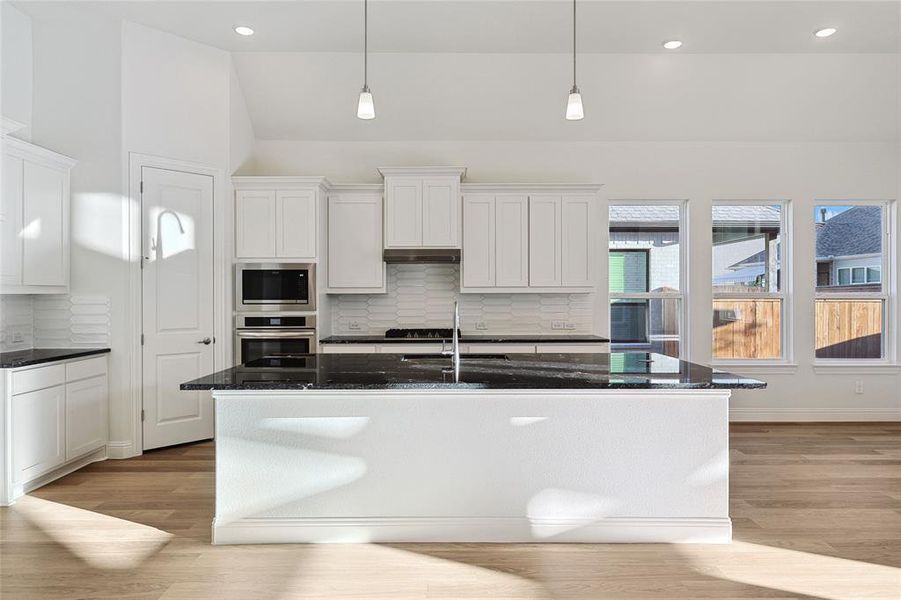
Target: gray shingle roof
<point>857,230</point>
<point>650,213</point>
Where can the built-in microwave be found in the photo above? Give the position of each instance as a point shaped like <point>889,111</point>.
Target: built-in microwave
<point>274,287</point>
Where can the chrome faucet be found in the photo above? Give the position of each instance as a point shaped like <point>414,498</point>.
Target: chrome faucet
<point>454,352</point>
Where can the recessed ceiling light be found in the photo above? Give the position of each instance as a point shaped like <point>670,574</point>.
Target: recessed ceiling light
<point>243,30</point>
<point>672,44</point>
<point>825,32</point>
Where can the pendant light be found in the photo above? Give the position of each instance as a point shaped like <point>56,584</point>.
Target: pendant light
<point>574,110</point>
<point>365,106</point>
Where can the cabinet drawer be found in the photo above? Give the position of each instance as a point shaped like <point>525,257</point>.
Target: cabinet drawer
<point>38,378</point>
<point>406,348</point>
<point>348,348</point>
<point>585,348</point>
<point>82,369</point>
<point>501,349</point>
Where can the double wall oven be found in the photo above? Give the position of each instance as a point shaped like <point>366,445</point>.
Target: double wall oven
<point>274,305</point>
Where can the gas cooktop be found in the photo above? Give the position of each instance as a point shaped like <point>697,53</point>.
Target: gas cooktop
<point>421,333</point>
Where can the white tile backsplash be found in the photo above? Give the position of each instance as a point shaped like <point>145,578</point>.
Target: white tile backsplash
<point>16,323</point>
<point>423,296</point>
<point>54,321</point>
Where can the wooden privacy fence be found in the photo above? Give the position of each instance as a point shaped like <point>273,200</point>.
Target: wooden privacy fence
<point>752,328</point>
<point>849,328</point>
<point>747,328</point>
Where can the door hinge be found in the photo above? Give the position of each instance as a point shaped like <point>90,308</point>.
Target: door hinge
<point>142,414</point>
<point>142,261</point>
<point>142,339</point>
<point>142,186</point>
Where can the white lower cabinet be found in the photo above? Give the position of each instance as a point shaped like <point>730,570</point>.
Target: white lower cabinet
<point>86,415</point>
<point>38,430</point>
<point>58,415</point>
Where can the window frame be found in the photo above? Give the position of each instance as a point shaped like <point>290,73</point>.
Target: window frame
<point>888,294</point>
<point>785,293</point>
<point>682,295</point>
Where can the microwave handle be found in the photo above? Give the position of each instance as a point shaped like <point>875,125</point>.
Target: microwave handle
<point>275,334</point>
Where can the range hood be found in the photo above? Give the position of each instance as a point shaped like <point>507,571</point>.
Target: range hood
<point>446,256</point>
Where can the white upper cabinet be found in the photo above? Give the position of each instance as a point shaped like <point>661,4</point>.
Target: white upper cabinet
<point>355,264</point>
<point>478,241</point>
<point>255,223</point>
<point>537,239</point>
<point>34,220</point>
<point>422,207</point>
<point>511,218</point>
<point>576,243</point>
<point>276,217</point>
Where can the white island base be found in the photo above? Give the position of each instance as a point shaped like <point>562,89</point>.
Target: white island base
<point>432,465</point>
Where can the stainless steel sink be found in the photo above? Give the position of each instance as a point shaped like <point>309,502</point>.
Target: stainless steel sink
<point>441,357</point>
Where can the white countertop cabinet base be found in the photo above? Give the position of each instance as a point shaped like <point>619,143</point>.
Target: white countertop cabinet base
<point>592,466</point>
<point>57,421</point>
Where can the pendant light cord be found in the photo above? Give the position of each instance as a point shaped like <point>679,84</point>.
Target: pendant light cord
<point>574,44</point>
<point>365,44</point>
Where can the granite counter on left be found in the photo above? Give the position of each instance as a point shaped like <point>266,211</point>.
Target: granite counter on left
<point>37,356</point>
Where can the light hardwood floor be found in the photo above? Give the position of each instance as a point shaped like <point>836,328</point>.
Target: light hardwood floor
<point>817,513</point>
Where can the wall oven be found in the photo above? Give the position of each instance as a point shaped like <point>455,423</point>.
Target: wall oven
<point>273,336</point>
<point>270,287</point>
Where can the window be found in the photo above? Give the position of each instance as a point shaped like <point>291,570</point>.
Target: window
<point>645,275</point>
<point>750,264</point>
<point>851,297</point>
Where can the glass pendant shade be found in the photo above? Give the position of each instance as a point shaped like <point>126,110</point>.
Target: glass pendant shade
<point>365,107</point>
<point>574,110</point>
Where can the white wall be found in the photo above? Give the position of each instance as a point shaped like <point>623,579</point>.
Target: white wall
<point>241,135</point>
<point>16,67</point>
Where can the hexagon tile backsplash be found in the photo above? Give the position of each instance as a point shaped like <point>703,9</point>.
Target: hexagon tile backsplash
<point>423,296</point>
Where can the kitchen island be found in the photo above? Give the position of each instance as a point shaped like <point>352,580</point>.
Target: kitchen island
<point>619,447</point>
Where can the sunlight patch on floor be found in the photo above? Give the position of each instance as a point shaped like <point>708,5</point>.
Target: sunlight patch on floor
<point>798,572</point>
<point>101,541</point>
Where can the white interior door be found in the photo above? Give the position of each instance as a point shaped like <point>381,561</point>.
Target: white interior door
<point>177,224</point>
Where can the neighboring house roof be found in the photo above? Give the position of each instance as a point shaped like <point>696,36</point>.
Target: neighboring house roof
<point>857,230</point>
<point>722,215</point>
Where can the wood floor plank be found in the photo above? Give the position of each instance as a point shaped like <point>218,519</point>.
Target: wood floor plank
<point>816,514</point>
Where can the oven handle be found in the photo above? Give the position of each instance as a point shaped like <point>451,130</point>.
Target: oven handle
<point>275,334</point>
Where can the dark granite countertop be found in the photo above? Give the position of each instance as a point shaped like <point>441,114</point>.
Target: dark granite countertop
<point>628,370</point>
<point>469,338</point>
<point>37,356</point>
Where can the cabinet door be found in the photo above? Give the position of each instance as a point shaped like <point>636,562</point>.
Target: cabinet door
<point>576,241</point>
<point>544,241</point>
<point>440,213</point>
<point>11,222</point>
<point>295,217</point>
<point>512,241</point>
<point>38,432</point>
<point>86,420</point>
<point>44,247</point>
<point>403,212</point>
<point>255,220</point>
<point>355,242</point>
<point>478,241</point>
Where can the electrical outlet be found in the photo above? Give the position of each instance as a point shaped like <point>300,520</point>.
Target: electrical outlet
<point>481,325</point>
<point>354,326</point>
<point>858,387</point>
<point>558,324</point>
<point>570,325</point>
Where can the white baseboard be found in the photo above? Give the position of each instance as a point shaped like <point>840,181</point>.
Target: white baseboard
<point>814,414</point>
<point>20,489</point>
<point>299,530</point>
<point>120,449</point>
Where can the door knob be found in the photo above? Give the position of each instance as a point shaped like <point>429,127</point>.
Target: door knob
<point>206,341</point>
